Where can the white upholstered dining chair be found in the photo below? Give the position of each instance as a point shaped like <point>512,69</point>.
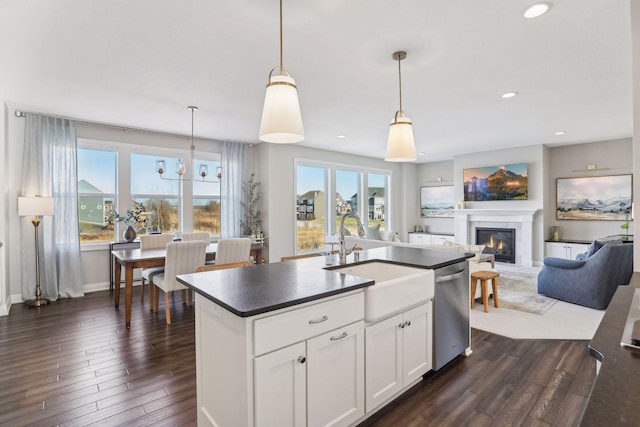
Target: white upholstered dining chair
<point>198,235</point>
<point>182,258</point>
<point>233,250</point>
<point>152,241</point>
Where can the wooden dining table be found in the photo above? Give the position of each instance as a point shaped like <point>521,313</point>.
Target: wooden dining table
<point>131,259</point>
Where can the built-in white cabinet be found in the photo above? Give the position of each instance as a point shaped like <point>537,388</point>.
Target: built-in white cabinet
<point>320,381</point>
<point>398,352</point>
<point>285,371</point>
<point>335,377</point>
<point>564,250</point>
<point>315,364</point>
<point>300,366</point>
<point>429,239</point>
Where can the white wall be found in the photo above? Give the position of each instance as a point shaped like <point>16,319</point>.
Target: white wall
<point>4,282</point>
<point>611,158</point>
<point>276,176</point>
<point>428,174</point>
<point>635,61</point>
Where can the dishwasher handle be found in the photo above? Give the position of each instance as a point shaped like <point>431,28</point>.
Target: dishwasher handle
<point>450,277</point>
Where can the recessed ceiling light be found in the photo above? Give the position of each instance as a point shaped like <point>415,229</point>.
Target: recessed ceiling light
<point>342,136</point>
<point>421,153</point>
<point>560,132</point>
<point>509,94</point>
<point>536,10</point>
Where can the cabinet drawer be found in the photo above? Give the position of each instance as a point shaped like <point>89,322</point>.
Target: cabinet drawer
<point>280,330</point>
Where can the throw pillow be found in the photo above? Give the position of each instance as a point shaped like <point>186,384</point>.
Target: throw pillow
<point>373,233</point>
<point>597,244</point>
<point>386,235</point>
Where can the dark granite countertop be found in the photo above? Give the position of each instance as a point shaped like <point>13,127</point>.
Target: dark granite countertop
<point>615,398</point>
<point>254,290</point>
<point>582,242</point>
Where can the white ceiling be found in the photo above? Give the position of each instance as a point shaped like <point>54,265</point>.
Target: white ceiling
<point>141,63</point>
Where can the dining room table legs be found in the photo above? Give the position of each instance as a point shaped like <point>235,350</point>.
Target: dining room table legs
<point>128,280</point>
<point>117,272</point>
<point>128,296</point>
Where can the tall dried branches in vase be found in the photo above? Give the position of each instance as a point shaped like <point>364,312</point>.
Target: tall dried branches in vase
<point>252,222</point>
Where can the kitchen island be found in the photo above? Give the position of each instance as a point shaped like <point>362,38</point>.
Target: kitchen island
<point>284,344</point>
<point>615,397</point>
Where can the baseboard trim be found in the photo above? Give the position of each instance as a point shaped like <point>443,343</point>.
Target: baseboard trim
<point>4,309</point>
<point>104,286</point>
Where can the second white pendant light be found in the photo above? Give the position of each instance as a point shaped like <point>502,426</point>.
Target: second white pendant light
<point>401,146</point>
<point>281,117</point>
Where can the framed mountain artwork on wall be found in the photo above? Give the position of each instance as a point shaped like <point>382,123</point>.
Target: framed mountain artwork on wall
<point>505,182</point>
<point>600,198</point>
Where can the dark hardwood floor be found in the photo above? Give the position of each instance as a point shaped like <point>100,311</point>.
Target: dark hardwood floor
<point>73,363</point>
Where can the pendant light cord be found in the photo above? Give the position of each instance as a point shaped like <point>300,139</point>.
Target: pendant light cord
<point>193,146</point>
<point>281,36</point>
<point>399,82</point>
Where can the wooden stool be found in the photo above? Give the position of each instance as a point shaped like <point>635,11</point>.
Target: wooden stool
<point>484,277</point>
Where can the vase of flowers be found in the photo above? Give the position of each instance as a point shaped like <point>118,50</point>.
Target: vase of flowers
<point>130,218</point>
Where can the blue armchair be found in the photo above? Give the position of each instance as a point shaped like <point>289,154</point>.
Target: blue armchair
<point>590,282</point>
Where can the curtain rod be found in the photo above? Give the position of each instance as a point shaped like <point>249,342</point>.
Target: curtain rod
<point>20,113</point>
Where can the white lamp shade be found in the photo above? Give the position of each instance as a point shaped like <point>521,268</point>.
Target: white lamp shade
<point>281,118</point>
<point>400,146</point>
<point>35,206</point>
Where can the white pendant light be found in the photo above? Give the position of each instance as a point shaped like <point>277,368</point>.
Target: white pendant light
<point>401,146</point>
<point>281,117</point>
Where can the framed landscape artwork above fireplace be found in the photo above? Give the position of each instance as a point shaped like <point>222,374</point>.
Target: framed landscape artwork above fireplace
<point>505,182</point>
<point>601,198</point>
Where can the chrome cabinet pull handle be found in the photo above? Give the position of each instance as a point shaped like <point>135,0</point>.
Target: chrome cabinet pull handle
<point>401,325</point>
<point>320,320</point>
<point>302,359</point>
<point>339,337</point>
<point>408,323</point>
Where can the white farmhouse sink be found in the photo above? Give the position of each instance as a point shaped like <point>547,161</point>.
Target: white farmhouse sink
<point>397,287</point>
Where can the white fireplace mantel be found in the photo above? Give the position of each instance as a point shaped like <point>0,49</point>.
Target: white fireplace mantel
<point>464,220</point>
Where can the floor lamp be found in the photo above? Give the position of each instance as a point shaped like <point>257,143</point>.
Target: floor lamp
<point>36,206</point>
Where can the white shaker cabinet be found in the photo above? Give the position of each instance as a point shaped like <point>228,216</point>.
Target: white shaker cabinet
<point>335,377</point>
<point>420,238</point>
<point>323,382</point>
<point>429,239</point>
<point>565,250</point>
<point>285,371</point>
<point>300,366</point>
<point>399,352</point>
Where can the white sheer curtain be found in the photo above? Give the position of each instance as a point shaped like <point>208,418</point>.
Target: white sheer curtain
<point>233,175</point>
<point>49,169</point>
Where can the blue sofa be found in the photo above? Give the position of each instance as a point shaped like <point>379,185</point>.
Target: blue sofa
<point>590,282</point>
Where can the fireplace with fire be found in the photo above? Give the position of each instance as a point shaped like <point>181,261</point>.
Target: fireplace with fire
<point>498,241</point>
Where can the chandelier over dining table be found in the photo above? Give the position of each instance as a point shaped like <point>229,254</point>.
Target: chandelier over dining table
<point>181,169</point>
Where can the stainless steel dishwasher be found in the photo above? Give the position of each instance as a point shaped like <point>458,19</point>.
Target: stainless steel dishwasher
<point>451,334</point>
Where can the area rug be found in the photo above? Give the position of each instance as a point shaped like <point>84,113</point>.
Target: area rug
<point>519,291</point>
